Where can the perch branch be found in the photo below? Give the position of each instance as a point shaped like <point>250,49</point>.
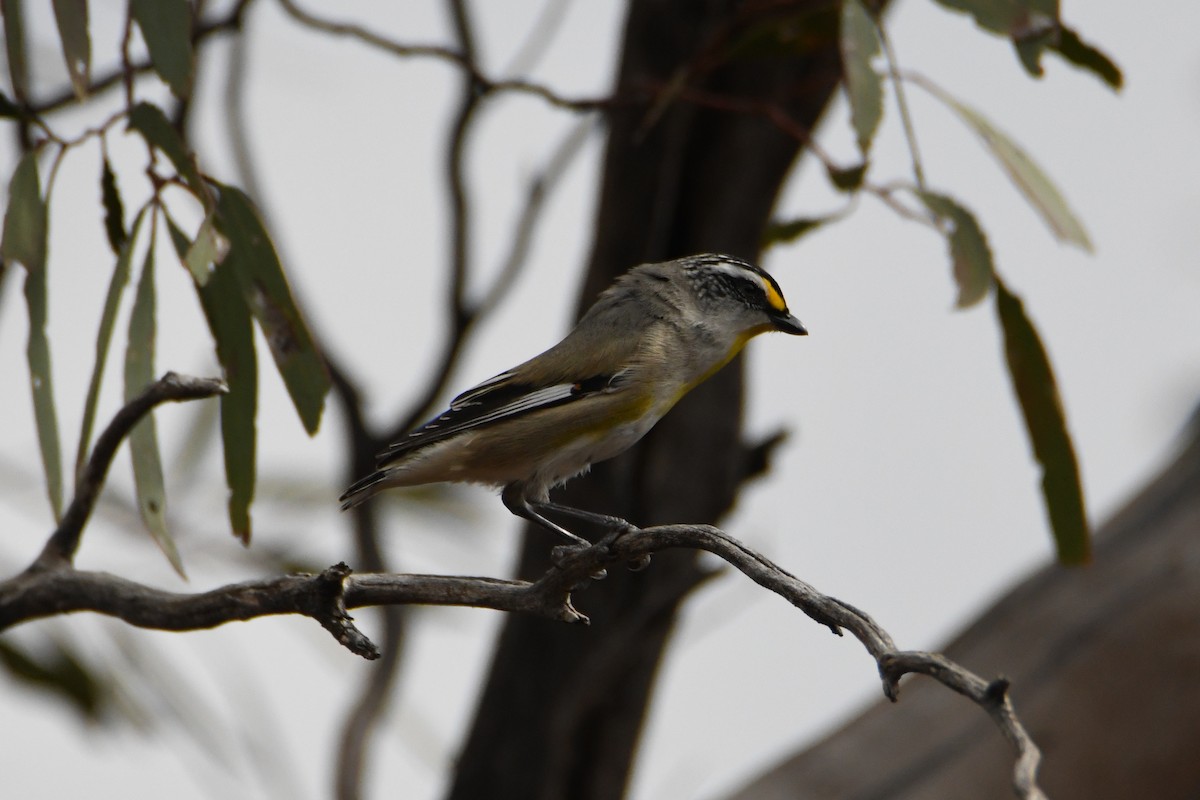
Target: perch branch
<point>324,597</point>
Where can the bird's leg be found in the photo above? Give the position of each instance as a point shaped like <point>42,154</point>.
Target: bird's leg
<point>515,501</point>
<point>609,523</point>
<point>615,526</point>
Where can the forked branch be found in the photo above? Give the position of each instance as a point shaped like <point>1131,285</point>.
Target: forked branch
<point>326,596</point>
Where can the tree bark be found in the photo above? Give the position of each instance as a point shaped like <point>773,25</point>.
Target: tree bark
<point>1103,661</point>
<point>562,708</point>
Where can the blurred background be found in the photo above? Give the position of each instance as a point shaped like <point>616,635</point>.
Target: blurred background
<point>906,487</point>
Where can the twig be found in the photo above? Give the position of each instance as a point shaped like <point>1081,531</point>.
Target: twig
<point>459,58</point>
<point>324,597</point>
<point>65,97</point>
<point>910,131</point>
<point>60,549</point>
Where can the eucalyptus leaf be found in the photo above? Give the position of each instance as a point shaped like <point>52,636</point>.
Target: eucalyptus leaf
<point>1085,56</point>
<point>1027,175</point>
<point>114,209</point>
<point>72,19</point>
<point>229,320</point>
<point>1007,17</point>
<point>789,230</point>
<point>1037,394</point>
<point>859,43</point>
<point>254,262</point>
<point>60,672</point>
<point>24,241</point>
<point>150,121</point>
<point>108,319</point>
<point>847,179</point>
<point>166,26</point>
<point>143,439</point>
<point>14,41</point>
<point>974,269</point>
<point>206,252</point>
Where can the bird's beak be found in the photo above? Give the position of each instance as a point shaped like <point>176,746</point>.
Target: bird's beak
<point>787,323</point>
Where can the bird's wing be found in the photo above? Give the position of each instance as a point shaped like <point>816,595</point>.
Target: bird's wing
<point>500,398</point>
<point>593,359</point>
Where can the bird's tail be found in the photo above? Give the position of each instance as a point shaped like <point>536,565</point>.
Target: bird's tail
<point>362,489</point>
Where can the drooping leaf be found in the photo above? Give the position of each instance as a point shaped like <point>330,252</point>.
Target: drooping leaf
<point>207,252</point>
<point>143,439</point>
<point>114,209</point>
<point>787,231</point>
<point>24,240</point>
<point>108,319</point>
<point>974,270</point>
<point>1028,176</point>
<point>1030,48</point>
<point>1085,56</point>
<point>847,179</point>
<point>252,259</point>
<point>230,322</point>
<point>1007,17</point>
<point>72,19</point>
<point>152,123</point>
<point>859,43</point>
<point>61,672</point>
<point>1037,393</point>
<point>9,109</point>
<point>166,26</point>
<point>14,40</point>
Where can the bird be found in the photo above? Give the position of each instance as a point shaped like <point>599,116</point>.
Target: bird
<point>659,331</point>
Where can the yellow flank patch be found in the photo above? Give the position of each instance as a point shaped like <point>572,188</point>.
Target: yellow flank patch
<point>773,296</point>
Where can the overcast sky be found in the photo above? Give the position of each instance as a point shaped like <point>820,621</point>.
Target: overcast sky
<point>907,487</point>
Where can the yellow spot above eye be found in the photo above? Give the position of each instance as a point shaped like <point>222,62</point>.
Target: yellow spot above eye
<point>774,298</point>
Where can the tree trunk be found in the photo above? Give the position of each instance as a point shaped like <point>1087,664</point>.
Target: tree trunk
<point>1103,661</point>
<point>562,708</point>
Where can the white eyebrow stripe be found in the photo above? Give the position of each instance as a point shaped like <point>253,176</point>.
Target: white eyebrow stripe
<point>732,268</point>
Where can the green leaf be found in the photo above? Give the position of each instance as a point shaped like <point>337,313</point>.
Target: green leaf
<point>847,179</point>
<point>1008,18</point>
<point>230,322</point>
<point>974,270</point>
<point>24,240</point>
<point>9,109</point>
<point>14,40</point>
<point>114,209</point>
<point>859,43</point>
<point>1028,176</point>
<point>252,259</point>
<point>152,123</point>
<point>1030,48</point>
<point>60,672</point>
<point>166,25</point>
<point>786,231</point>
<point>1083,55</point>
<point>1037,394</point>
<point>72,19</point>
<point>108,318</point>
<point>143,439</point>
<point>207,252</point>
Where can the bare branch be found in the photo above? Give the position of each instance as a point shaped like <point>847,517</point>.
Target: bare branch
<point>170,388</point>
<point>459,58</point>
<point>325,597</point>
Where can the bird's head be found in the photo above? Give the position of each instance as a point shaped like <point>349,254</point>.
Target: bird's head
<point>736,296</point>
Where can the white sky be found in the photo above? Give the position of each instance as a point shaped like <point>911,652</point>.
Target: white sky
<point>907,488</point>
